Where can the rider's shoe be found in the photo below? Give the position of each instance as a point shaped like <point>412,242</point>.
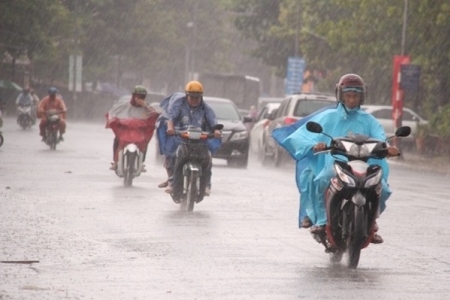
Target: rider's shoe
<point>306,223</point>
<point>143,170</point>
<point>207,192</point>
<point>113,166</point>
<point>169,189</point>
<point>377,239</point>
<point>61,139</point>
<point>163,184</point>
<point>317,229</point>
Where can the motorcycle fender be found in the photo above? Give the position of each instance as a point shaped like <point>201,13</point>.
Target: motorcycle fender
<point>358,199</point>
<point>131,148</point>
<point>191,168</point>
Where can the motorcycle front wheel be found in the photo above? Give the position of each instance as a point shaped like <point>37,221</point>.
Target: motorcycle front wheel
<point>129,169</point>
<point>191,192</point>
<point>357,237</point>
<point>53,140</point>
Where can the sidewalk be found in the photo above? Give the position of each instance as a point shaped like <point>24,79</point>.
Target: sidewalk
<point>438,164</point>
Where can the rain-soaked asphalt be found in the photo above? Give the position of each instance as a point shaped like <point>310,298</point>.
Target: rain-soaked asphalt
<point>95,239</point>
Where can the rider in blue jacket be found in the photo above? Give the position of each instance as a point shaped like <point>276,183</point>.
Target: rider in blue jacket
<point>180,111</point>
<point>345,119</point>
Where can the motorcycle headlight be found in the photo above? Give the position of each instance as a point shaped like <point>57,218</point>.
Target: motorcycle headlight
<point>240,135</point>
<point>374,180</point>
<point>343,176</point>
<point>359,150</point>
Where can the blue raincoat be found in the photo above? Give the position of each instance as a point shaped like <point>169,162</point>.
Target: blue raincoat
<point>175,108</point>
<point>313,172</point>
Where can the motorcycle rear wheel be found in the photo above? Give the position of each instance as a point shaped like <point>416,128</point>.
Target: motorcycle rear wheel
<point>336,257</point>
<point>357,237</point>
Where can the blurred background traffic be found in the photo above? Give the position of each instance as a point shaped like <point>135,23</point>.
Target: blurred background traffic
<point>258,54</point>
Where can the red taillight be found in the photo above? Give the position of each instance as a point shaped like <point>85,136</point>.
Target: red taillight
<point>289,121</point>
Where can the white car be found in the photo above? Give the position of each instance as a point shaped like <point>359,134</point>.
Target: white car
<point>383,113</point>
<point>260,126</point>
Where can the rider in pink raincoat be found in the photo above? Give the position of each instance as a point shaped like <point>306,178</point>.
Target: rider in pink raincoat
<point>132,122</point>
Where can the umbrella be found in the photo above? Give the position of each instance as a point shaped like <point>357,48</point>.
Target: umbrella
<point>6,84</point>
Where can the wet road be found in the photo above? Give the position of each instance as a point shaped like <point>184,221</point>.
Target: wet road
<point>95,239</point>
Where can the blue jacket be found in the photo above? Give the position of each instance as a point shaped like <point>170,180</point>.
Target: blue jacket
<point>176,108</point>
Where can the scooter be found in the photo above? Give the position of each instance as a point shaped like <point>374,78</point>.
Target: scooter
<point>130,163</point>
<point>192,158</point>
<point>353,197</point>
<point>52,129</point>
<point>24,118</point>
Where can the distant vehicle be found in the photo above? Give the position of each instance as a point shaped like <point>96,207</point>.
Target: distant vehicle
<point>244,112</point>
<point>235,138</point>
<point>383,113</point>
<point>291,109</point>
<point>150,98</point>
<point>241,89</point>
<point>261,127</point>
<point>262,101</point>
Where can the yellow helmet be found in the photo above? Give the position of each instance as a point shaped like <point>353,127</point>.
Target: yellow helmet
<point>194,88</point>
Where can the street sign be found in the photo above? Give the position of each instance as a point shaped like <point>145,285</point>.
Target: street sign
<point>75,71</point>
<point>294,76</point>
<point>410,77</point>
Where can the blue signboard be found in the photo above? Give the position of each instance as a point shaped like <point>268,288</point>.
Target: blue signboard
<point>294,76</point>
<point>410,77</point>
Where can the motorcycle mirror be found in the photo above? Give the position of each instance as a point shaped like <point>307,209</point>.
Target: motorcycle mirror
<point>218,127</point>
<point>314,127</point>
<point>403,131</point>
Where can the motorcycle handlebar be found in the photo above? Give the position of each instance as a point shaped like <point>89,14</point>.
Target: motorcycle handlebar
<point>184,134</point>
<point>381,153</point>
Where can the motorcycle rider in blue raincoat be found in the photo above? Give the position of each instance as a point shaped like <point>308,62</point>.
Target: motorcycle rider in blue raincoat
<point>180,111</point>
<point>314,177</point>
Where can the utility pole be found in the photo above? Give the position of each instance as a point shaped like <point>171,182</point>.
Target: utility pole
<point>400,116</point>
<point>405,19</point>
<point>297,28</point>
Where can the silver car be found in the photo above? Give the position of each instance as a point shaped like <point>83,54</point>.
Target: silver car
<point>260,129</point>
<point>383,113</point>
<point>291,109</point>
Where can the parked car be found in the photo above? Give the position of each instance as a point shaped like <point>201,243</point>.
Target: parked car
<point>260,128</point>
<point>262,101</point>
<point>291,109</point>
<point>383,113</point>
<point>235,137</point>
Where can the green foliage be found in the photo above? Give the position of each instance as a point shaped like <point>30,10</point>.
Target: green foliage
<point>359,36</point>
<point>440,122</point>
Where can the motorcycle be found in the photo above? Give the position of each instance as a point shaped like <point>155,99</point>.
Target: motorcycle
<point>130,163</point>
<point>353,196</point>
<point>192,158</point>
<point>24,117</point>
<point>52,129</point>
